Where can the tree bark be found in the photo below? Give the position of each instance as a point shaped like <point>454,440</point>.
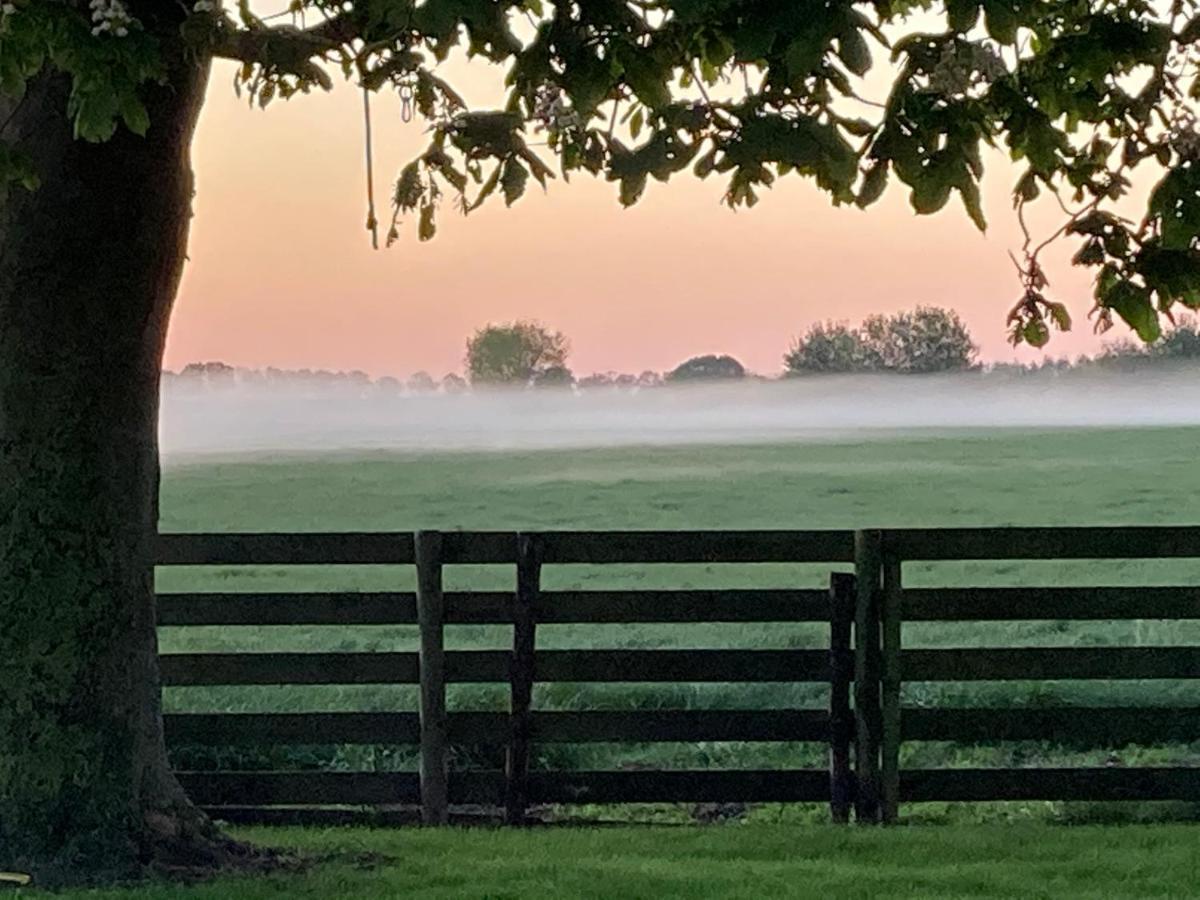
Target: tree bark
<point>89,266</point>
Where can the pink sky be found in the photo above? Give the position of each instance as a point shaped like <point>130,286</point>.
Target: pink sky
<point>282,273</point>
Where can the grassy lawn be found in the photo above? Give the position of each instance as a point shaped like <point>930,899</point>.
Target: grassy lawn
<point>751,861</point>
<point>999,477</point>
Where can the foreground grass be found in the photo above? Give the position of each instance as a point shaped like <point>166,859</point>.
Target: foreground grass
<point>732,861</point>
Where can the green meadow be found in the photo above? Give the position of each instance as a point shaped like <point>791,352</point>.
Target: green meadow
<point>959,478</point>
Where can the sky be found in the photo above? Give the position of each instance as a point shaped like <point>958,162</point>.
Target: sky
<point>281,271</point>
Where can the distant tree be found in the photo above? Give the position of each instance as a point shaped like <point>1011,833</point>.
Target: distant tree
<point>421,383</point>
<point>598,381</point>
<point>514,353</point>
<point>454,384</point>
<point>208,374</point>
<point>708,368</point>
<point>924,340</point>
<point>388,385</point>
<point>649,379</point>
<point>1181,342</point>
<point>829,347</point>
<point>554,377</point>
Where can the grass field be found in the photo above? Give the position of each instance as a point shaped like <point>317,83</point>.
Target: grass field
<point>1003,477</point>
<point>750,861</point>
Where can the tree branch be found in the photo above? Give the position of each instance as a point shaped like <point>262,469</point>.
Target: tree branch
<point>285,48</point>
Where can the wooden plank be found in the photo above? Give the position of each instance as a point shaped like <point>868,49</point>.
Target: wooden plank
<point>494,607</point>
<point>261,549</point>
<point>698,546</point>
<point>516,757</point>
<point>227,729</point>
<point>1025,603</point>
<point>1109,783</point>
<point>1050,663</point>
<point>890,682</point>
<point>375,608</point>
<point>484,666</point>
<point>841,676</point>
<point>432,660</point>
<point>868,574</point>
<point>621,607</point>
<point>492,728</point>
<point>1139,542</point>
<point>680,725</point>
<point>657,547</point>
<point>1077,726</point>
<point>681,786</point>
<point>700,666</point>
<point>300,788</point>
<point>183,669</point>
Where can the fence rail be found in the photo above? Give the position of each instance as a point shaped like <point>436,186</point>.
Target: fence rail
<point>864,667</point>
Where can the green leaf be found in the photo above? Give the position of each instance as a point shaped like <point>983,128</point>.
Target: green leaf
<point>1090,254</point>
<point>1035,333</point>
<point>804,53</point>
<point>873,184</point>
<point>854,52</point>
<point>962,14</point>
<point>635,122</point>
<point>1132,303</point>
<point>1001,20</point>
<point>632,188</point>
<point>1059,316</point>
<point>969,191</point>
<point>1027,187</point>
<point>513,180</point>
<point>426,227</point>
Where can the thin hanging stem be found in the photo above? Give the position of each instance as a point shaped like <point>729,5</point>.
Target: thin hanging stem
<point>372,222</point>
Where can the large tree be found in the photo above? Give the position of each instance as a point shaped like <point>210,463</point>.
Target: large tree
<point>99,103</point>
<point>516,354</point>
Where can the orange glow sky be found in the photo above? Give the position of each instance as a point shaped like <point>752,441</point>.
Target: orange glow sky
<point>282,273</point>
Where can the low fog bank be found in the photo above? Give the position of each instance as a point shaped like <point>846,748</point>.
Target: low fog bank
<point>246,419</point>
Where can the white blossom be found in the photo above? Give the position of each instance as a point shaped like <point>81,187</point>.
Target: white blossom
<point>110,17</point>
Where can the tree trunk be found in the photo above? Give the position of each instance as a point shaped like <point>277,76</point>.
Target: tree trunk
<point>89,266</point>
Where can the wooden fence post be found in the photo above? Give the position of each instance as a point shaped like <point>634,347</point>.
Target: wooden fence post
<point>431,621</point>
<point>868,576</point>
<point>841,673</point>
<point>890,678</point>
<point>516,763</point>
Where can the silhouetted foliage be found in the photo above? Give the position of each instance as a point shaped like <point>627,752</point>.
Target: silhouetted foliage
<point>514,353</point>
<point>924,340</point>
<point>421,383</point>
<point>828,347</point>
<point>708,368</point>
<point>554,377</point>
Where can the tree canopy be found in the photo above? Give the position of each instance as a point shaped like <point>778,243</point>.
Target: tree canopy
<point>1082,94</point>
<point>517,353</point>
<point>707,368</point>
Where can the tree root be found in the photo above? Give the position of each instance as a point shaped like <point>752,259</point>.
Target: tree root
<point>184,845</point>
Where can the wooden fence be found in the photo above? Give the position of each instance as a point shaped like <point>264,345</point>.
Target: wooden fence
<point>864,668</point>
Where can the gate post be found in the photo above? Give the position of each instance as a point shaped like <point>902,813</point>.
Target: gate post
<point>431,617</point>
<point>841,674</point>
<point>868,564</point>
<point>890,678</point>
<point>521,675</point>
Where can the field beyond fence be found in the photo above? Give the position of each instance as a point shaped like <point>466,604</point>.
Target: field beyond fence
<point>861,671</point>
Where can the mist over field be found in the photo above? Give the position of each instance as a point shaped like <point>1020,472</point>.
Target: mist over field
<point>249,419</point>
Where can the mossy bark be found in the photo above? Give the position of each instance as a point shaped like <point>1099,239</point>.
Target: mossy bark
<point>89,266</point>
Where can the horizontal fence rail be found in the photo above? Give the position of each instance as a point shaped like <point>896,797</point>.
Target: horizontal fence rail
<point>864,669</point>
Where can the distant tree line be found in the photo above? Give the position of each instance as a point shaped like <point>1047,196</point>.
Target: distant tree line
<point>524,354</point>
<point>920,341</point>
